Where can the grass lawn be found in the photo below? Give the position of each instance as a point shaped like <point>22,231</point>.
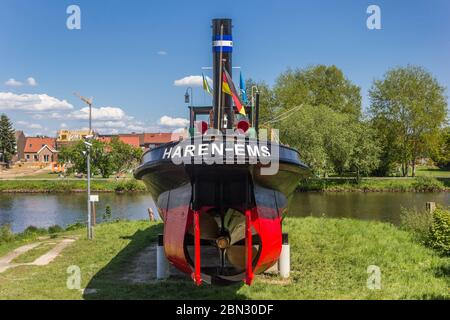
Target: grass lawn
<point>432,172</point>
<point>58,185</point>
<point>329,260</point>
<point>374,184</point>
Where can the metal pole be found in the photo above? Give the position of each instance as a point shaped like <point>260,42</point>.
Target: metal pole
<point>219,109</point>
<point>90,118</point>
<point>89,180</point>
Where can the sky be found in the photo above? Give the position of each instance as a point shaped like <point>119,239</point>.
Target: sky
<point>136,58</point>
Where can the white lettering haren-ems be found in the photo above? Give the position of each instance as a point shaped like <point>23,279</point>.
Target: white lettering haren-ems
<point>167,153</point>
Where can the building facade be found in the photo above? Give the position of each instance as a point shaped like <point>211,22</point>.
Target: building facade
<point>40,149</point>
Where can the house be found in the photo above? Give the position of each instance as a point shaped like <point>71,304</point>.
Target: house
<point>153,140</point>
<point>20,146</point>
<point>40,149</point>
<point>130,138</point>
<point>67,137</point>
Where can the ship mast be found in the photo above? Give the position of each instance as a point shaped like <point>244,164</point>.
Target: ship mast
<point>222,54</point>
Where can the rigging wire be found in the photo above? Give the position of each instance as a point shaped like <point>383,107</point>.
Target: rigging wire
<point>284,115</point>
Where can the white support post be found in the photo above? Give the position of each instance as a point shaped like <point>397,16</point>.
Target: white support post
<point>162,265</point>
<point>284,263</point>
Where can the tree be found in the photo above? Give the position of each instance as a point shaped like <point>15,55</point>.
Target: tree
<point>124,156</point>
<point>316,86</point>
<point>366,150</point>
<point>7,139</point>
<point>106,158</point>
<point>75,156</point>
<point>268,105</point>
<point>408,106</point>
<point>441,153</point>
<point>325,138</point>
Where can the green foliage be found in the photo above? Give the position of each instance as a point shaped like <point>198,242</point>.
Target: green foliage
<point>365,154</point>
<point>32,230</point>
<point>268,104</point>
<point>129,185</point>
<point>55,229</point>
<point>123,156</point>
<point>408,106</point>
<point>427,184</point>
<point>440,231</point>
<point>316,86</point>
<point>330,141</point>
<point>107,214</point>
<point>7,139</point>
<point>6,234</point>
<point>418,222</point>
<point>106,158</point>
<point>75,226</point>
<point>441,152</point>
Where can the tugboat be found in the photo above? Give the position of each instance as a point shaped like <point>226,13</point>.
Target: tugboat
<point>223,190</point>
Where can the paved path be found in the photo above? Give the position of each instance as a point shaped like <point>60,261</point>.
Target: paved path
<point>46,258</point>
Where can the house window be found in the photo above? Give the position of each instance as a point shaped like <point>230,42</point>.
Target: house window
<point>36,157</point>
<point>46,157</point>
<point>28,157</point>
<point>31,145</point>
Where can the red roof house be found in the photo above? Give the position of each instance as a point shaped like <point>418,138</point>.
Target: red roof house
<point>40,149</point>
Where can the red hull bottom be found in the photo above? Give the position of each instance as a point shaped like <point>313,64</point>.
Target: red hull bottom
<point>262,229</point>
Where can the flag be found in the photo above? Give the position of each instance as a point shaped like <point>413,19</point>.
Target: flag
<point>242,88</point>
<point>229,88</point>
<point>206,86</point>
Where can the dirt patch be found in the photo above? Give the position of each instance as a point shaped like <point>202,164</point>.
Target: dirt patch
<point>142,268</point>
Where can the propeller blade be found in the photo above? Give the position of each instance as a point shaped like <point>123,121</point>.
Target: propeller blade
<point>236,255</point>
<point>235,224</point>
<point>209,229</point>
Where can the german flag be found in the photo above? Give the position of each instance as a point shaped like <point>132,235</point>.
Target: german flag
<point>229,88</point>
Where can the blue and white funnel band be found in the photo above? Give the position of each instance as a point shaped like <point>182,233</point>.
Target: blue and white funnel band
<point>225,44</point>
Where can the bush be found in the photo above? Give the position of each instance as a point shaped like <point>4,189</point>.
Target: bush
<point>427,184</point>
<point>439,238</point>
<point>32,230</point>
<point>75,226</point>
<point>129,185</point>
<point>55,229</point>
<point>107,214</point>
<point>417,222</point>
<point>6,234</point>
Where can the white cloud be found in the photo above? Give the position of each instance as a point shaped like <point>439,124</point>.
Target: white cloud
<point>193,81</point>
<point>32,82</point>
<point>100,114</point>
<point>109,124</point>
<point>32,102</point>
<point>167,121</point>
<point>63,125</point>
<point>13,83</point>
<point>28,125</point>
<point>161,53</point>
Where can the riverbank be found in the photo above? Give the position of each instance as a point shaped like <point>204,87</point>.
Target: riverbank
<point>329,260</point>
<point>372,184</point>
<point>70,185</point>
<point>419,184</point>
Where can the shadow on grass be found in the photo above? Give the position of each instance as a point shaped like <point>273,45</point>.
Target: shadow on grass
<point>108,282</point>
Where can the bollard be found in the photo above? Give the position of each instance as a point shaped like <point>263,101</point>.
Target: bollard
<point>284,263</point>
<point>151,215</point>
<point>430,206</point>
<point>162,266</point>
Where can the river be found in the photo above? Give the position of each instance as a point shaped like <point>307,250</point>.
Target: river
<point>44,210</point>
